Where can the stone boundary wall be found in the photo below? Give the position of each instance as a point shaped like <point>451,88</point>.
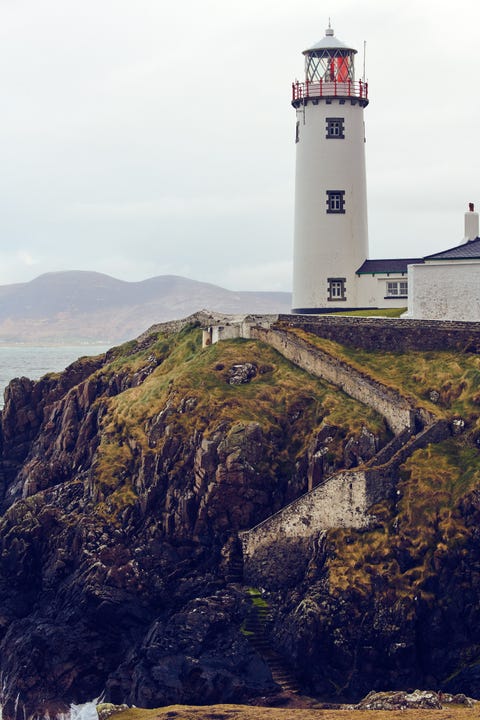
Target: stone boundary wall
<point>340,501</point>
<point>343,499</point>
<point>390,334</point>
<point>381,478</point>
<point>396,409</point>
<point>405,443</point>
<point>386,453</point>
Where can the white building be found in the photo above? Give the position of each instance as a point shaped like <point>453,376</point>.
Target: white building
<point>384,283</point>
<point>330,269</point>
<point>446,286</point>
<point>331,272</point>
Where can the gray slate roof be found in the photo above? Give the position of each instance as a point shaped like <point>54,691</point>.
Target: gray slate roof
<point>397,265</point>
<point>467,251</point>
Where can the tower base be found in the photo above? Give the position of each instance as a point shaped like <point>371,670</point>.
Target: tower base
<point>327,311</point>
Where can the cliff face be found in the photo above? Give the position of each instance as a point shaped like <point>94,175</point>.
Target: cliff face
<point>125,481</point>
<point>397,606</point>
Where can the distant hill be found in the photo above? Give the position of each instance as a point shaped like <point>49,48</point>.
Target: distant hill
<point>82,306</point>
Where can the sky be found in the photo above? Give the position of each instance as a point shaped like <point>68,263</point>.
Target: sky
<point>146,137</point>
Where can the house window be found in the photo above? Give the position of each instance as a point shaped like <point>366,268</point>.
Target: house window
<point>336,289</point>
<point>335,201</point>
<point>397,288</point>
<point>335,128</point>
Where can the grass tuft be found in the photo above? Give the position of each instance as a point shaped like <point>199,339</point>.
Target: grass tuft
<point>187,386</point>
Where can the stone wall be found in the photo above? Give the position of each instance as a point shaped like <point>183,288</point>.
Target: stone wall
<point>341,501</point>
<point>396,409</point>
<point>382,473</point>
<point>388,451</point>
<point>277,550</point>
<point>389,334</point>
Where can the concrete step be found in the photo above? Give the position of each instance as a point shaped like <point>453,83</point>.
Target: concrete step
<point>256,627</point>
<point>234,571</point>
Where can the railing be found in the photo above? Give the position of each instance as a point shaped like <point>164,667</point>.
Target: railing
<point>329,88</point>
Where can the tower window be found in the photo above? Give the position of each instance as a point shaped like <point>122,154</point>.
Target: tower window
<point>297,132</point>
<point>335,128</point>
<point>335,201</point>
<point>336,288</point>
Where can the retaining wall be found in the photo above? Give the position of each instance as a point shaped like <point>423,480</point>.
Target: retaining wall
<point>341,501</point>
<point>396,410</point>
<point>277,550</point>
<point>391,334</point>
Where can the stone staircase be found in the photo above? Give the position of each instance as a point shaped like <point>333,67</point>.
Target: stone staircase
<point>256,630</point>
<point>234,572</point>
<point>340,500</point>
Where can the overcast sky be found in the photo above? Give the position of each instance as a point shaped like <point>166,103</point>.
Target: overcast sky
<point>146,137</point>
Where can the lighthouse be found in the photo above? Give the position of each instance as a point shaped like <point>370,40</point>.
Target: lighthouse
<point>331,235</point>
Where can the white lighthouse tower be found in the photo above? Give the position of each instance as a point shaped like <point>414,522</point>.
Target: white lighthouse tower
<point>331,237</point>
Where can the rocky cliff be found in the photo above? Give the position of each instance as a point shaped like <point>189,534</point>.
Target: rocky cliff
<point>125,481</point>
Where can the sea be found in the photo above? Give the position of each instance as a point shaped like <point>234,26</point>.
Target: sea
<point>34,361</point>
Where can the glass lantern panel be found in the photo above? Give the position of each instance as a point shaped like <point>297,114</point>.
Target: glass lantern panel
<point>330,68</point>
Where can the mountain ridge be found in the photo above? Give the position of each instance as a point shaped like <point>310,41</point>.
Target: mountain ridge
<point>87,306</point>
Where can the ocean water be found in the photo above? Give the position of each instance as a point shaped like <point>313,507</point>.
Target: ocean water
<point>35,361</point>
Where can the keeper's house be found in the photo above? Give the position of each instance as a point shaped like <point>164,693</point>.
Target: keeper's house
<point>446,285</point>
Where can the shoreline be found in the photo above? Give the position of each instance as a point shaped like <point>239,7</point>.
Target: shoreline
<point>79,344</point>
<point>256,712</point>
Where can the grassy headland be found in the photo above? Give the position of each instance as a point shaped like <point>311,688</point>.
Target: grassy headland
<point>284,400</point>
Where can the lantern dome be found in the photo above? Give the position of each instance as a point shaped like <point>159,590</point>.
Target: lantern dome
<point>327,44</point>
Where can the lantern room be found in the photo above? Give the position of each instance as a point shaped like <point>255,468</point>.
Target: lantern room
<point>329,72</point>
<point>329,60</point>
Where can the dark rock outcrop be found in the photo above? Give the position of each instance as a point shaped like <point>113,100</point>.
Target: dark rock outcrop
<point>416,700</point>
<point>126,480</point>
<point>125,483</point>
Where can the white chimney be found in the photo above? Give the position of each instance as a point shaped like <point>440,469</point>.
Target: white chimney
<point>471,223</point>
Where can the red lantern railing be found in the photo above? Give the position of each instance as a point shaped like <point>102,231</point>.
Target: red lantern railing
<point>329,88</point>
